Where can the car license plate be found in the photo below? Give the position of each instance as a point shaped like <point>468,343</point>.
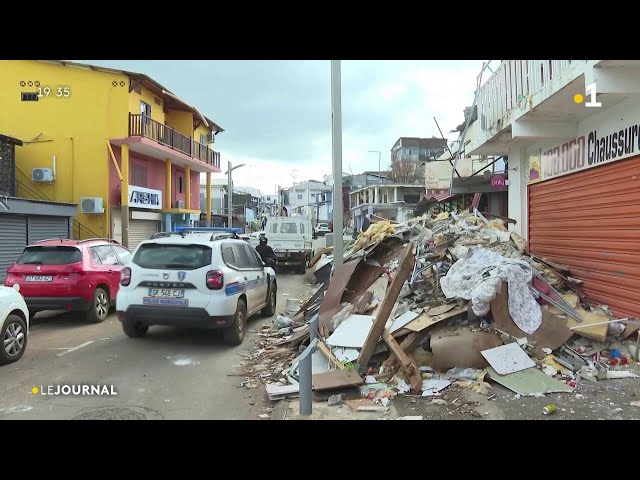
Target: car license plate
<point>281,255</point>
<point>39,278</point>
<point>165,301</point>
<point>166,293</point>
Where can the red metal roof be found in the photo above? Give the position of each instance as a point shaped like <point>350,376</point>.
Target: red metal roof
<point>439,197</point>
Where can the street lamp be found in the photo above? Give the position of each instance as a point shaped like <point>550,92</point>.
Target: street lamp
<point>230,193</point>
<point>379,158</point>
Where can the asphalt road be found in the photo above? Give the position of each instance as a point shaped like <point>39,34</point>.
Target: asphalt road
<point>168,374</point>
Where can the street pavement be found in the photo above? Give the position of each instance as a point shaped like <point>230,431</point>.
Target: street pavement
<point>168,374</point>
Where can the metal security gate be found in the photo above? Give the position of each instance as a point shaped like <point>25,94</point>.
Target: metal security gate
<point>42,228</point>
<point>590,221</point>
<point>12,240</point>
<point>141,230</point>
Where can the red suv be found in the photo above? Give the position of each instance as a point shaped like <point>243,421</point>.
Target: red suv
<point>74,275</point>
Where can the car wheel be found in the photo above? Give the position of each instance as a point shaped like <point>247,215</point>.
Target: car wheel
<point>99,310</point>
<point>234,335</point>
<point>14,339</point>
<point>270,309</point>
<point>134,329</point>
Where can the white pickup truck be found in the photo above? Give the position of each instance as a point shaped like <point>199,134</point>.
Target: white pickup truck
<point>291,239</point>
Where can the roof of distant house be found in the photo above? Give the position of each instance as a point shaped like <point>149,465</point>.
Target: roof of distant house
<point>171,100</point>
<point>428,143</point>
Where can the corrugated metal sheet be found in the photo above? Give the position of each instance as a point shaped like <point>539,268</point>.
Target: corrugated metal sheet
<point>139,231</point>
<point>42,228</point>
<point>590,221</point>
<point>12,240</point>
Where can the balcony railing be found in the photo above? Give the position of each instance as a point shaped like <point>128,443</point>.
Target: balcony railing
<point>512,82</point>
<point>144,126</point>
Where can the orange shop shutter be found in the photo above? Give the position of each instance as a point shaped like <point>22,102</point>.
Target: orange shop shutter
<point>590,221</point>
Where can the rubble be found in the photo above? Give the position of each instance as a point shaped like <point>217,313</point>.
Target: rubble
<point>454,300</point>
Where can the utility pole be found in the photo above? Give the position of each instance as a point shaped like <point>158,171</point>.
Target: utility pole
<point>230,193</point>
<point>336,135</point>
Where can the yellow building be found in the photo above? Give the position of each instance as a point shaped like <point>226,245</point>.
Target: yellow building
<point>117,143</point>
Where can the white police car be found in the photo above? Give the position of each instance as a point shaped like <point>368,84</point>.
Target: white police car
<point>195,280</point>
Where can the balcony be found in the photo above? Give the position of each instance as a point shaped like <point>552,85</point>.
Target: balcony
<point>145,127</point>
<point>531,91</point>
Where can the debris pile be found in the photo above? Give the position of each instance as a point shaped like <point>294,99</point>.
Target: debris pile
<point>453,300</point>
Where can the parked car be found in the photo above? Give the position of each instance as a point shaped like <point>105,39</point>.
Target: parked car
<point>202,281</point>
<point>323,229</point>
<point>14,324</point>
<point>73,275</point>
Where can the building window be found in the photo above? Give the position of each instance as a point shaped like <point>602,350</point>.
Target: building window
<point>139,175</point>
<point>179,183</point>
<point>299,196</point>
<point>203,139</point>
<point>145,110</point>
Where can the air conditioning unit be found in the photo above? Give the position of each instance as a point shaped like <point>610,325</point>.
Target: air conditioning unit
<point>42,175</point>
<point>179,203</point>
<point>91,205</point>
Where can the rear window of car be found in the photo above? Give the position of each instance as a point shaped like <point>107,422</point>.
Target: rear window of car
<point>289,227</point>
<point>50,255</point>
<point>166,256</point>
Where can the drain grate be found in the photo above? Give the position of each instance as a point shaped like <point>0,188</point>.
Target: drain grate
<point>119,413</point>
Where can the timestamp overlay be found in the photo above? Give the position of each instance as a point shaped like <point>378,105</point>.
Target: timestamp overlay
<point>54,92</point>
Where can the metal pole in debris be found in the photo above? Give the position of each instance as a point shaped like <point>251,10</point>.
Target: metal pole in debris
<point>336,116</point>
<point>313,327</point>
<point>305,384</point>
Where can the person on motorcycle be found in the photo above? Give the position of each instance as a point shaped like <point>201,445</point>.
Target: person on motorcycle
<point>266,253</point>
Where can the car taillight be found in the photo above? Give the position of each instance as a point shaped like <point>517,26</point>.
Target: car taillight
<point>125,276</point>
<point>215,280</point>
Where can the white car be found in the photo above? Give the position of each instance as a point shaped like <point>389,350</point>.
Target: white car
<point>322,229</point>
<point>196,280</point>
<point>14,320</point>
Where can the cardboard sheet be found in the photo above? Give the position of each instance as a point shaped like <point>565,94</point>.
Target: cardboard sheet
<point>551,334</point>
<point>461,350</point>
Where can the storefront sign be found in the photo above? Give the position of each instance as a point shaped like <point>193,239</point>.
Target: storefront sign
<point>585,151</point>
<point>498,181</point>
<point>144,197</point>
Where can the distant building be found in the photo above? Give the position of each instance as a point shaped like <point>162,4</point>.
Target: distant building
<point>418,149</point>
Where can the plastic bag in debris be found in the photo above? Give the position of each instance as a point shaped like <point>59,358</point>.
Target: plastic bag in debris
<point>283,322</point>
<point>458,373</point>
<point>479,277</point>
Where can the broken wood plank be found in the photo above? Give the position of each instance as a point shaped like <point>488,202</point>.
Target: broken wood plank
<point>415,380</point>
<point>391,296</point>
<point>329,355</point>
<point>408,345</point>
<point>336,379</point>
<point>426,320</point>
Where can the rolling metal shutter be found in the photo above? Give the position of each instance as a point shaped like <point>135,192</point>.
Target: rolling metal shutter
<point>590,221</point>
<point>42,228</point>
<point>12,241</point>
<point>141,230</point>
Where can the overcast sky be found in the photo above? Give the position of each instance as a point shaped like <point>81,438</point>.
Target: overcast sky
<point>277,114</point>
